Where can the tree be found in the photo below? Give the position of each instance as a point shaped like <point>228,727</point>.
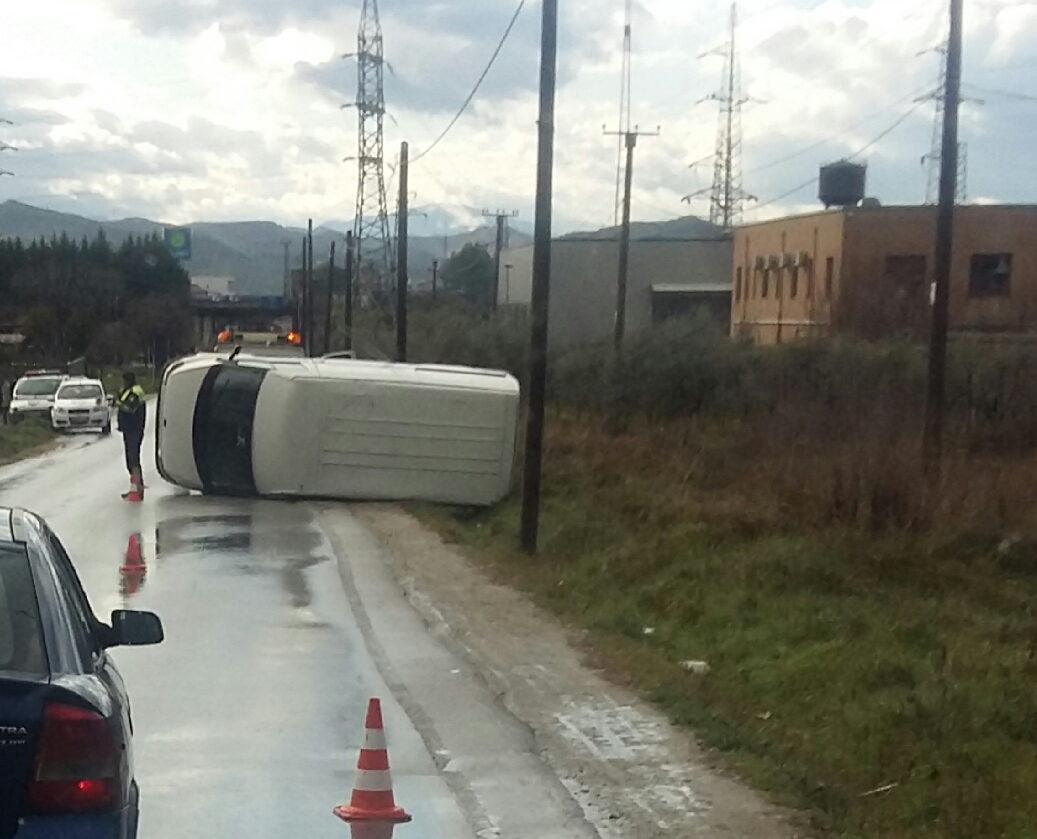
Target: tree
<point>469,272</point>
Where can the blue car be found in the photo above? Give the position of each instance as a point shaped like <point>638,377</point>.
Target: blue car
<point>66,762</point>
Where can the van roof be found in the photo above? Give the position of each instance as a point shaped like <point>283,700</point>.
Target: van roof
<point>346,369</point>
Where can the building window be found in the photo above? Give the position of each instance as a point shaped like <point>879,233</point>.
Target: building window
<point>765,285</point>
<point>794,282</point>
<point>738,284</point>
<point>990,275</point>
<point>829,276</point>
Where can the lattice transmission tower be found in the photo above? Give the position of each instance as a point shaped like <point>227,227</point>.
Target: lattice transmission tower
<point>932,159</point>
<point>371,220</point>
<point>726,196</point>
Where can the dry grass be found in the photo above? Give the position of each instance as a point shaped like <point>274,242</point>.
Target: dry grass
<point>848,652</point>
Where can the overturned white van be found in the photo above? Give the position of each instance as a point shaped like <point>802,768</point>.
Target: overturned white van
<point>337,428</point>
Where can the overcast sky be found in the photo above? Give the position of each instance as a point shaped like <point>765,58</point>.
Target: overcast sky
<point>183,110</point>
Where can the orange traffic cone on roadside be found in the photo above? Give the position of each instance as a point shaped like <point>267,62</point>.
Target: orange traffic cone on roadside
<point>372,799</point>
<point>135,495</point>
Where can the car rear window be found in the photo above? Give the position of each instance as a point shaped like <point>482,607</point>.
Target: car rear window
<point>80,392</point>
<point>36,387</point>
<point>21,637</point>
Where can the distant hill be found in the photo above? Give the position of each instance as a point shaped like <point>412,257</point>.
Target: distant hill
<point>249,251</point>
<point>686,227</point>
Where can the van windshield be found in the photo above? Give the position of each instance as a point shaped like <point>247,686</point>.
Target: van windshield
<point>223,419</point>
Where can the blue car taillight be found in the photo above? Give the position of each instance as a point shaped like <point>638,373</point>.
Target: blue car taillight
<point>77,763</point>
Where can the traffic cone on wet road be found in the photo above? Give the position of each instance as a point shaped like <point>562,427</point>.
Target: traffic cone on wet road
<point>136,493</point>
<point>133,569</point>
<point>372,799</point>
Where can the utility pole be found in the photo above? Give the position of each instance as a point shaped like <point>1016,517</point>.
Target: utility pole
<point>935,394</point>
<point>309,289</point>
<point>350,260</point>
<point>626,73</point>
<point>327,311</point>
<point>435,272</point>
<point>507,282</point>
<point>501,243</point>
<point>287,245</point>
<point>299,304</point>
<point>630,138</point>
<point>401,259</point>
<point>533,456</point>
<point>932,183</point>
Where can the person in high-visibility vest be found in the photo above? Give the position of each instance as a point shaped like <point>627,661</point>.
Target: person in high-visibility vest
<point>132,417</point>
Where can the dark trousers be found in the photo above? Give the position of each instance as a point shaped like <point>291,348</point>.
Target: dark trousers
<point>132,440</point>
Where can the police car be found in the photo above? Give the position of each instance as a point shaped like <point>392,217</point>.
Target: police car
<point>33,395</point>
<point>81,403</point>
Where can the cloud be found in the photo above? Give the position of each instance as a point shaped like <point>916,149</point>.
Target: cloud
<point>16,90</point>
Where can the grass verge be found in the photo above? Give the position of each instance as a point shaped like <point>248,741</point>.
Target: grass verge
<point>883,680</point>
<point>25,439</point>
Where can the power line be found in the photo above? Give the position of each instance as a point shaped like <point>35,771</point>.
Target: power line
<point>884,133</point>
<point>1009,94</point>
<point>478,83</point>
<point>837,135</point>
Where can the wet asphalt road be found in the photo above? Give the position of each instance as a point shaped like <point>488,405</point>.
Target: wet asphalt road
<point>249,716</point>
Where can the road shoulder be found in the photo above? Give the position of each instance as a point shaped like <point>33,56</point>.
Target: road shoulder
<point>632,773</point>
<point>488,759</point>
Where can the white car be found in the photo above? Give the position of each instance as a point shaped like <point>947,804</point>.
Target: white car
<point>337,428</point>
<point>33,395</point>
<point>81,403</point>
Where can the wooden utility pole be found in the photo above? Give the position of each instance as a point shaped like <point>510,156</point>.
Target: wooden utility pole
<point>435,272</point>
<point>309,289</point>
<point>350,258</point>
<point>630,138</point>
<point>300,305</point>
<point>327,311</point>
<point>531,474</point>
<point>935,393</point>
<point>500,244</point>
<point>401,260</point>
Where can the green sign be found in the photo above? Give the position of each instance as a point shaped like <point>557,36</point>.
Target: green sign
<point>178,240</point>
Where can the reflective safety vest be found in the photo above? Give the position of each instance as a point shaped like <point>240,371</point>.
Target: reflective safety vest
<point>132,411</point>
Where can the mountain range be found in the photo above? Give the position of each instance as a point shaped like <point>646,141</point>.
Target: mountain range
<point>249,251</point>
<point>253,254</point>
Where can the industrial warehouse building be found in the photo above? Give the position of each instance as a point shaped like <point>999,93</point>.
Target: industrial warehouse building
<point>672,274</point>
<point>868,270</point>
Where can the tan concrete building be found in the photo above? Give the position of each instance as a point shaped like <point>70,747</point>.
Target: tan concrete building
<point>667,278</point>
<point>869,270</point>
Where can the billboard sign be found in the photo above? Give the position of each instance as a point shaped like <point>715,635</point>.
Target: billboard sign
<point>178,240</point>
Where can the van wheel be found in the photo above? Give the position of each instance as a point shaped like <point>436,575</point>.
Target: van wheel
<point>106,430</point>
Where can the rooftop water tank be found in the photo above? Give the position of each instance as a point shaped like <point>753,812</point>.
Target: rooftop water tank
<point>842,184</point>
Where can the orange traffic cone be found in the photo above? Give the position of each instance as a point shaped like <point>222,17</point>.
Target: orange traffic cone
<point>133,569</point>
<point>372,798</point>
<point>134,495</point>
